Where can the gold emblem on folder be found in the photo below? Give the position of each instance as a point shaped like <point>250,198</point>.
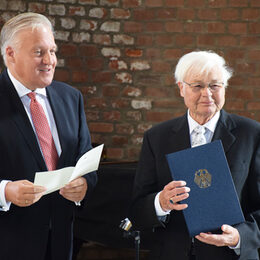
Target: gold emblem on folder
<point>203,178</point>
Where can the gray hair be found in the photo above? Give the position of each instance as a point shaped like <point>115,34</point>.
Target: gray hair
<point>18,23</point>
<point>201,62</point>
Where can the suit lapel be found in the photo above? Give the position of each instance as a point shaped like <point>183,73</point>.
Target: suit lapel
<point>13,106</point>
<point>57,106</point>
<point>181,136</point>
<point>224,131</point>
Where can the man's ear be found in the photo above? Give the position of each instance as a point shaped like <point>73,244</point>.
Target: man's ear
<point>9,54</point>
<point>180,85</point>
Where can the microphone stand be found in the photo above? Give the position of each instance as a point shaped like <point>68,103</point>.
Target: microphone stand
<point>126,226</point>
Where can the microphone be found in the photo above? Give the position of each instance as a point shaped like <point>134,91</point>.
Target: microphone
<point>126,225</point>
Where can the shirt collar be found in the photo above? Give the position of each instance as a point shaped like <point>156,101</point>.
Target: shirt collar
<point>210,125</point>
<point>21,89</point>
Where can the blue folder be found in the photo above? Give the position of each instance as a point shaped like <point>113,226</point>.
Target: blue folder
<point>213,200</point>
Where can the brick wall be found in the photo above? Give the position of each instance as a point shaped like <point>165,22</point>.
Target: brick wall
<point>121,53</point>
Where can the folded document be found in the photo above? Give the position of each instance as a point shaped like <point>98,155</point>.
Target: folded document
<point>55,180</point>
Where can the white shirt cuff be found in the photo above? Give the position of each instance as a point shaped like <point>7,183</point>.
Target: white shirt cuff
<point>236,248</point>
<point>158,209</point>
<point>4,205</point>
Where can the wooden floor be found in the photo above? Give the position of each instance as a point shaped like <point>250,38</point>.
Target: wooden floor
<point>93,251</point>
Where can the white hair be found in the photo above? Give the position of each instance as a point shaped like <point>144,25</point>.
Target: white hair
<point>18,23</point>
<point>201,62</point>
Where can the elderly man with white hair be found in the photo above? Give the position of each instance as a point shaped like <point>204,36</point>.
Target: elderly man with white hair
<point>202,78</point>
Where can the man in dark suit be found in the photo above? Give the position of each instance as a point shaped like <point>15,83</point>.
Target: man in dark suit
<point>34,226</point>
<point>201,77</point>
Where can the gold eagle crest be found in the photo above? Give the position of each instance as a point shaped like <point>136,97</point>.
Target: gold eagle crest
<point>203,178</point>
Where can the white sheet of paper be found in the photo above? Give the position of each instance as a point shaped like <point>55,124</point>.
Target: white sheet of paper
<point>55,180</point>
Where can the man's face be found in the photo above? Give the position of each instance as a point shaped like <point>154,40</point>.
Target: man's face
<point>33,60</point>
<point>203,103</point>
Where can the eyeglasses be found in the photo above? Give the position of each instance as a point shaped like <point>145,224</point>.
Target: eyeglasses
<point>213,87</point>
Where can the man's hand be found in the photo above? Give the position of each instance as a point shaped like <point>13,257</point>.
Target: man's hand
<point>172,193</point>
<point>23,193</point>
<point>75,190</point>
<point>229,237</point>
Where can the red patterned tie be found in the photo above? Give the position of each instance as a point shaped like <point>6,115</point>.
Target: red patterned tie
<point>43,132</point>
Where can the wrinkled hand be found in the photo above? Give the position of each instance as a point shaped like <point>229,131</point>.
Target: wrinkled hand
<point>175,191</point>
<point>75,190</point>
<point>229,237</point>
<point>23,193</point>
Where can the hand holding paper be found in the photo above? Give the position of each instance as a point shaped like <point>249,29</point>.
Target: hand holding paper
<point>54,180</point>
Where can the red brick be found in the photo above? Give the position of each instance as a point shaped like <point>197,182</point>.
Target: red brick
<point>185,14</point>
<point>229,14</point>
<point>67,50</point>
<point>94,63</point>
<point>103,39</point>
<point>184,40</point>
<point>134,115</point>
<point>37,7</point>
<point>88,50</point>
<point>161,66</point>
<point>196,3</point>
<point>120,103</point>
<point>172,54</point>
<point>130,91</point>
<point>101,77</point>
<point>207,14</point>
<point>144,40</point>
<point>74,62</point>
<point>131,3</point>
<point>236,93</point>
<point>218,3</point>
<point>254,81</point>
<point>238,3</point>
<point>164,39</point>
<point>115,153</point>
<point>237,28</point>
<point>164,14</point>
<point>246,68</point>
<point>167,103</point>
<point>154,27</point>
<point>119,140</point>
<point>92,115</point>
<point>250,14</point>
<point>153,3</point>
<point>133,27</point>
<point>174,26</point>
<point>206,40</point>
<point>254,55</point>
<point>254,28</point>
<point>141,128</point>
<point>144,14</point>
<point>133,153</point>
<point>110,91</point>
<point>124,129</point>
<point>79,76</point>
<point>61,75</point>
<point>134,52</point>
<point>232,105</point>
<point>227,40</point>
<point>101,127</point>
<point>249,40</point>
<point>174,3</point>
<point>112,116</point>
<point>253,106</point>
<point>216,27</point>
<point>195,27</point>
<point>156,92</point>
<point>119,13</point>
<point>96,102</point>
<point>255,3</point>
<point>235,54</point>
<point>154,116</point>
<point>153,53</point>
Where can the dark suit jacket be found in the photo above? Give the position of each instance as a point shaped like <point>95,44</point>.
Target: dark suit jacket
<point>240,137</point>
<point>25,230</point>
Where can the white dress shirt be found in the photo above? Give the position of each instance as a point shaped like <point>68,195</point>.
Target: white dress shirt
<point>41,97</point>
